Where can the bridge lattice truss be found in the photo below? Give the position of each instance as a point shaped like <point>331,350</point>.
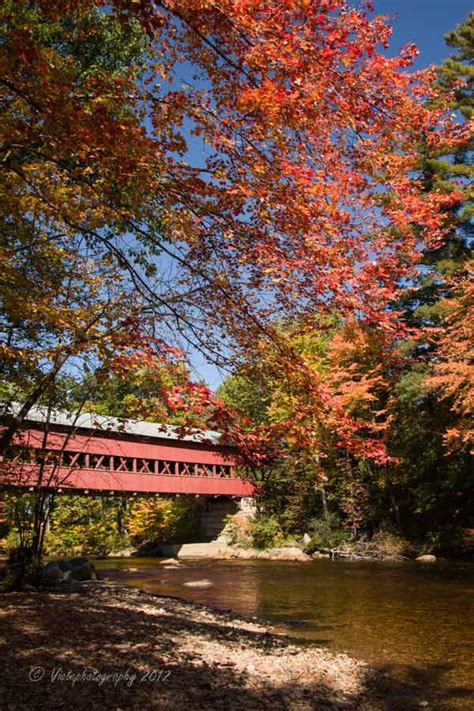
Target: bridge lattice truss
<point>104,462</point>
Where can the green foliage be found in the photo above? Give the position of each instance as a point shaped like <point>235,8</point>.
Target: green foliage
<point>326,533</point>
<point>25,516</point>
<point>17,512</point>
<point>448,169</point>
<point>84,526</point>
<point>266,532</point>
<point>238,531</point>
<point>250,396</point>
<point>10,541</point>
<point>97,41</point>
<point>172,520</point>
<point>141,394</point>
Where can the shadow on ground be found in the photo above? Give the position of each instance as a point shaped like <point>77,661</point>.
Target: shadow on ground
<point>87,652</point>
<point>405,687</point>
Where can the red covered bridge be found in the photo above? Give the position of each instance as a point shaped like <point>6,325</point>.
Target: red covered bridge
<point>89,453</point>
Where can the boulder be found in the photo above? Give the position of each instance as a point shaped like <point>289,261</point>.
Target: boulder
<point>426,559</point>
<point>84,571</point>
<point>57,571</point>
<point>213,549</point>
<point>68,564</point>
<point>52,573</point>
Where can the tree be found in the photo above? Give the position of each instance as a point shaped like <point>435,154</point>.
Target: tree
<point>447,168</point>
<point>63,294</point>
<point>315,469</point>
<point>170,520</point>
<point>433,303</point>
<point>330,172</point>
<point>141,393</point>
<point>86,526</point>
<point>452,377</point>
<point>458,66</point>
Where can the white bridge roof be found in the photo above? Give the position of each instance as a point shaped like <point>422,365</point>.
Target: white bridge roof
<point>105,423</point>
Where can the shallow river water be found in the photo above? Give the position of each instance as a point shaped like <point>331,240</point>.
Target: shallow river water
<point>415,621</point>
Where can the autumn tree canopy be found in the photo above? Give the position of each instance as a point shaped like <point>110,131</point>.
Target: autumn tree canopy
<point>308,197</point>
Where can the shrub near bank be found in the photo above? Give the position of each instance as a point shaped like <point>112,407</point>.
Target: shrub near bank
<point>326,533</point>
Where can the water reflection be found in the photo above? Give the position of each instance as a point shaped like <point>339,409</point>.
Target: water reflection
<point>413,621</point>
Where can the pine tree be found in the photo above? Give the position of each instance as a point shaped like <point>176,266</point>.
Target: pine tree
<point>460,65</point>
<point>448,169</point>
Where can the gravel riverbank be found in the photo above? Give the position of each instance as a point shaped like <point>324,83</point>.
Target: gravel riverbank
<point>109,647</point>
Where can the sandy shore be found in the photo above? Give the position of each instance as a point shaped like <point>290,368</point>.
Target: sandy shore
<point>110,647</point>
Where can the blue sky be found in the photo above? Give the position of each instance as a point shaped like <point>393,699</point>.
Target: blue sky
<point>424,22</point>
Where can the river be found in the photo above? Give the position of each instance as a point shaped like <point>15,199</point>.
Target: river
<point>413,620</point>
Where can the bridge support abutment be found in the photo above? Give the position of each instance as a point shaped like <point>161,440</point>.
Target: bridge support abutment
<point>213,540</point>
<point>216,510</point>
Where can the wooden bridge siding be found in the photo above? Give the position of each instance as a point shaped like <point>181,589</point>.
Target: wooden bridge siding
<point>182,451</point>
<point>26,475</point>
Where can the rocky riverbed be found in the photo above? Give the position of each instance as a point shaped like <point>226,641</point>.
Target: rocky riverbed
<point>100,646</point>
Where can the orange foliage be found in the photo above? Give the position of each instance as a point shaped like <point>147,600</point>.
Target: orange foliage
<point>454,370</point>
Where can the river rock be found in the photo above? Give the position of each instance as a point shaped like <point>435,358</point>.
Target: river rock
<point>426,559</point>
<point>289,553</point>
<point>198,584</point>
<point>241,553</point>
<point>170,562</point>
<point>284,553</point>
<point>124,553</point>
